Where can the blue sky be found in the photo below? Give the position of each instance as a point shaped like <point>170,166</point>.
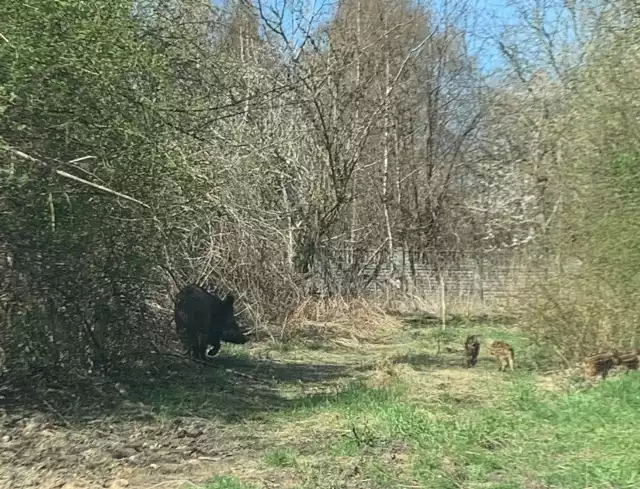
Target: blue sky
<point>493,15</point>
<point>483,21</point>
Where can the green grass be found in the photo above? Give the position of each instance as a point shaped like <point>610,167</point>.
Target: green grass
<point>281,457</point>
<point>226,482</point>
<point>585,439</point>
<point>440,426</point>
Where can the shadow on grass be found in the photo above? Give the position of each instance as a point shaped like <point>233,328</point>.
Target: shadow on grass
<point>424,361</point>
<point>229,388</point>
<point>417,359</point>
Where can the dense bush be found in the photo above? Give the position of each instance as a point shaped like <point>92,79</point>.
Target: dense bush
<point>591,300</point>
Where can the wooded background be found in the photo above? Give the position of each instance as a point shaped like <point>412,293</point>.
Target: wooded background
<point>285,150</point>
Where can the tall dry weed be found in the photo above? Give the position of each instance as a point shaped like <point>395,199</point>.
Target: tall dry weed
<point>326,319</point>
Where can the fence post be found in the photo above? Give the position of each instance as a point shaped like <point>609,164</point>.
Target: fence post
<point>443,302</point>
<point>484,305</point>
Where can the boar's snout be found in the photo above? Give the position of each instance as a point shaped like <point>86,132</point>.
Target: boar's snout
<point>234,335</point>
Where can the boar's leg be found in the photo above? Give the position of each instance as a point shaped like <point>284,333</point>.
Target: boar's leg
<point>215,349</point>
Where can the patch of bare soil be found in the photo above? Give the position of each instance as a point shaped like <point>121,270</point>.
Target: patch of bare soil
<point>36,451</point>
<point>192,422</point>
<point>86,433</point>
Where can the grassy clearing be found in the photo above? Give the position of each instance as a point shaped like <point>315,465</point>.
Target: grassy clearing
<point>434,424</point>
<point>402,414</point>
<point>526,438</point>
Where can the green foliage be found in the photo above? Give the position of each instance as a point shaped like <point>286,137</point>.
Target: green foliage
<point>618,229</point>
<point>75,83</point>
<point>592,299</point>
<point>140,103</point>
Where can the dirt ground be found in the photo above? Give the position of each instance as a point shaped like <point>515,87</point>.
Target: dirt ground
<point>140,434</point>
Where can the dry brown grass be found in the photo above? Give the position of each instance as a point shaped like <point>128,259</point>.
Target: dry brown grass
<point>431,301</point>
<point>387,370</point>
<point>373,320</point>
<point>336,319</point>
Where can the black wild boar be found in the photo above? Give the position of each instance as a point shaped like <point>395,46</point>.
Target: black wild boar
<point>471,350</point>
<point>204,319</point>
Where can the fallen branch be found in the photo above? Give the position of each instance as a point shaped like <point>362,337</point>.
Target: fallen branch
<point>73,177</point>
